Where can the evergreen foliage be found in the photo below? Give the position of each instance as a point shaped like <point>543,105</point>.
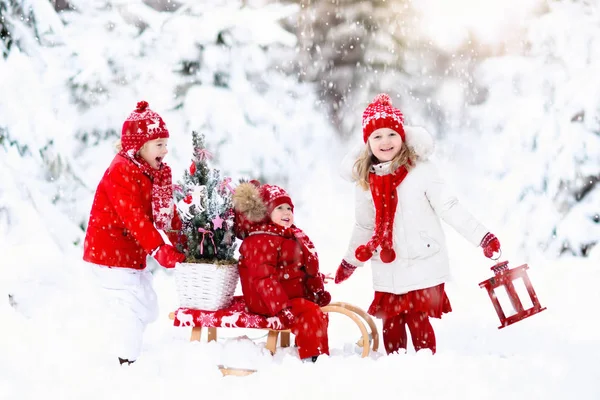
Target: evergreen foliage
<point>352,50</point>
<point>205,208</point>
<point>5,35</point>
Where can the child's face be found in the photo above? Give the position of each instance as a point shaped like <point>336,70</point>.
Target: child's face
<point>154,151</point>
<point>283,215</point>
<point>385,144</point>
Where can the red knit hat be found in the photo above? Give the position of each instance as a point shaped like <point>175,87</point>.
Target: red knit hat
<point>142,125</point>
<point>274,196</point>
<point>381,114</point>
<point>253,204</point>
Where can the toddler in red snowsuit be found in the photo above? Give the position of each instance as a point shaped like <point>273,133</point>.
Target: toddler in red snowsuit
<point>279,267</point>
<point>134,199</point>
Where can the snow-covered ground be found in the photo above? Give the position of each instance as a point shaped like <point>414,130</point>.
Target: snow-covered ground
<point>52,328</point>
<point>54,347</point>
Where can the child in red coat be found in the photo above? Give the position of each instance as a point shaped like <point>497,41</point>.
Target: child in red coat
<point>279,267</point>
<point>134,199</point>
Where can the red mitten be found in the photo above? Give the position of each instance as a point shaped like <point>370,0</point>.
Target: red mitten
<point>167,256</point>
<point>315,284</point>
<point>322,298</point>
<point>344,271</point>
<point>490,245</point>
<point>175,235</point>
<point>286,317</point>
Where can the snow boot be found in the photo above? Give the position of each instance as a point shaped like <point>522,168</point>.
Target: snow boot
<point>125,361</point>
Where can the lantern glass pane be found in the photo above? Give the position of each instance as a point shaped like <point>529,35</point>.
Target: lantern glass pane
<point>504,300</point>
<point>521,290</point>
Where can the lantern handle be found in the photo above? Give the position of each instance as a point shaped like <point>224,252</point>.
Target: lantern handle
<point>499,255</point>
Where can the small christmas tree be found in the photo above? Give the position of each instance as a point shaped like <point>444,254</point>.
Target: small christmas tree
<point>205,208</point>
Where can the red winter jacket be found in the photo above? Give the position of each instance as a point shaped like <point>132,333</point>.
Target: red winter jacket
<point>121,230</point>
<point>272,272</point>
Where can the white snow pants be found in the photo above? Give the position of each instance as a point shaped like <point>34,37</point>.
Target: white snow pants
<point>131,304</point>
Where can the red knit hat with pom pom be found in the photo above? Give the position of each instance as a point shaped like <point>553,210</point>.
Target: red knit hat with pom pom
<point>253,204</point>
<point>381,114</point>
<point>142,125</point>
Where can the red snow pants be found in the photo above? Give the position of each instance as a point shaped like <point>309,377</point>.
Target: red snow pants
<point>310,328</point>
<point>421,332</point>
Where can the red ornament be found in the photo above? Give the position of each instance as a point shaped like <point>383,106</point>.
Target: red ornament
<point>193,169</point>
<point>188,199</point>
<point>503,276</point>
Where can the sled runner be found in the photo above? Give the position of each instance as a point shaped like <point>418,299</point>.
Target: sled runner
<point>235,316</point>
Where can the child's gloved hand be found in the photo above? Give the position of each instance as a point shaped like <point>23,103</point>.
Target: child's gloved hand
<point>286,317</point>
<point>177,238</point>
<point>321,298</point>
<point>344,271</point>
<point>490,245</point>
<point>167,256</point>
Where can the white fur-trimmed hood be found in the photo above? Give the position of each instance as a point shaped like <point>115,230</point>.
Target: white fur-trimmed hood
<point>416,137</point>
<point>420,140</point>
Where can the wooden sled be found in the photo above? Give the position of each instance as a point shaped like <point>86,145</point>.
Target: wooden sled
<point>369,338</point>
<point>353,312</point>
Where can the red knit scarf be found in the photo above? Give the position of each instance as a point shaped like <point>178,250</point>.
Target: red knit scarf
<point>385,197</point>
<point>310,259</point>
<point>162,190</point>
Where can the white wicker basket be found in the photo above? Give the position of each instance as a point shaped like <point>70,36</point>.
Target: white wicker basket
<point>205,286</point>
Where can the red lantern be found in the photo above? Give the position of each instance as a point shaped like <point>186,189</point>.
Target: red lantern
<point>503,276</point>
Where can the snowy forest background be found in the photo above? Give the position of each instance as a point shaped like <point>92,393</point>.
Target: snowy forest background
<point>510,89</point>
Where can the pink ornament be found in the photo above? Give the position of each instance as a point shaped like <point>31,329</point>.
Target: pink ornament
<point>203,155</point>
<point>205,232</point>
<point>218,222</point>
<point>225,184</point>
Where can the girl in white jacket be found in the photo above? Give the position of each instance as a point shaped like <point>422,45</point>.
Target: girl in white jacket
<point>399,201</point>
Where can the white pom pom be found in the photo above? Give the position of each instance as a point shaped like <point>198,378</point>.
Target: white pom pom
<point>382,98</point>
<point>420,140</point>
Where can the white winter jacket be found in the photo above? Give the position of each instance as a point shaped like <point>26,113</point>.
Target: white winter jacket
<point>423,198</point>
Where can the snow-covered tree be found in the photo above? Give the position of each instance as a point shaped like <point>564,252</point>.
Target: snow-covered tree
<point>540,126</point>
<point>205,208</point>
<point>213,67</point>
<point>216,67</point>
<point>235,87</point>
<point>39,177</point>
<point>354,49</point>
